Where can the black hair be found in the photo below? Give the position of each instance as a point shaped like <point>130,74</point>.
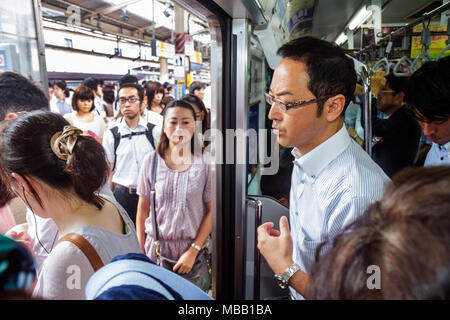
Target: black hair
<point>128,78</point>
<point>330,71</point>
<point>397,84</point>
<point>63,86</point>
<point>190,98</point>
<point>108,93</point>
<point>196,85</point>
<point>91,83</point>
<point>137,87</point>
<point>82,93</point>
<point>17,93</point>
<point>163,142</point>
<point>429,91</point>
<point>26,150</point>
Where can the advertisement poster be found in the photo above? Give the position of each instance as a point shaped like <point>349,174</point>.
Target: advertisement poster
<point>438,43</point>
<point>3,61</point>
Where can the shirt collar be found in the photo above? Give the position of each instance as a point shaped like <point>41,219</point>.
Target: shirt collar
<point>124,126</point>
<point>318,158</point>
<point>446,146</point>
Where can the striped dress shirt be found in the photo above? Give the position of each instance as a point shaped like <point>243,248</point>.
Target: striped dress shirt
<point>331,186</point>
<point>439,155</point>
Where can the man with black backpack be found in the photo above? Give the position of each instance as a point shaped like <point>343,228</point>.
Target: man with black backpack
<point>126,144</point>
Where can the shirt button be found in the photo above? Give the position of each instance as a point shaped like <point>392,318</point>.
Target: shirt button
<point>296,213</point>
<point>442,158</point>
<point>302,181</point>
<point>313,176</point>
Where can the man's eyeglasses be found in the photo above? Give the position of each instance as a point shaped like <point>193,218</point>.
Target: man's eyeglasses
<point>386,91</point>
<point>131,100</point>
<point>283,106</point>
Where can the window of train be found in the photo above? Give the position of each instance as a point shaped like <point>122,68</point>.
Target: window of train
<point>270,165</point>
<point>18,40</point>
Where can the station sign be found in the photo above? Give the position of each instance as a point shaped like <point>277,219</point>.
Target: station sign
<point>165,50</point>
<point>196,57</point>
<point>189,45</point>
<point>179,63</point>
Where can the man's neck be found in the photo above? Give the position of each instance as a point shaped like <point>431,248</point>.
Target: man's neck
<point>330,131</point>
<point>132,123</point>
<point>393,109</point>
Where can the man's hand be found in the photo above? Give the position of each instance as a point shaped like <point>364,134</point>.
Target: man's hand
<point>378,81</point>
<point>276,246</point>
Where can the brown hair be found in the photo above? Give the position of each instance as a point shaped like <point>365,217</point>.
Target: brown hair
<point>5,191</point>
<point>153,87</point>
<point>82,93</point>
<point>406,235</point>
<point>26,150</point>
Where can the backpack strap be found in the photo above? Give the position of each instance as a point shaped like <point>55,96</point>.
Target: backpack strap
<point>85,247</point>
<point>116,134</point>
<point>149,134</point>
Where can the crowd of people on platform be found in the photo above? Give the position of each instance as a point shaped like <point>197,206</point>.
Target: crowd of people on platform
<point>119,179</point>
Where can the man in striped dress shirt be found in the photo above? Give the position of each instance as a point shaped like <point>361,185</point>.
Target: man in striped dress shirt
<point>333,180</point>
<point>429,97</point>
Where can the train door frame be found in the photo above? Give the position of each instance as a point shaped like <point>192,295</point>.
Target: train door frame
<point>222,118</point>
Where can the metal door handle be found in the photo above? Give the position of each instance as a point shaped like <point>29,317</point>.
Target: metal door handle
<point>257,256</point>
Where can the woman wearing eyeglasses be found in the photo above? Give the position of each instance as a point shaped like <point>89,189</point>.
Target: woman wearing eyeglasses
<point>82,117</point>
<point>57,171</point>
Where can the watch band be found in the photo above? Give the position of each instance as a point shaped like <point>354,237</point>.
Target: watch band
<point>196,246</point>
<point>283,279</point>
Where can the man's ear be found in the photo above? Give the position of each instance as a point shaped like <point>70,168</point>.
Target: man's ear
<point>400,97</point>
<point>334,107</point>
<point>11,116</point>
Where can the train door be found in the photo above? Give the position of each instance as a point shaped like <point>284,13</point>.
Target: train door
<point>257,167</point>
<point>244,152</point>
<point>21,40</point>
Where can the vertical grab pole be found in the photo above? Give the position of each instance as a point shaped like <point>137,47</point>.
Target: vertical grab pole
<point>257,204</point>
<point>257,255</point>
<point>367,110</point>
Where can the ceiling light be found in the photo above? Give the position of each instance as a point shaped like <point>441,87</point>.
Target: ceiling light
<point>341,39</point>
<point>362,15</point>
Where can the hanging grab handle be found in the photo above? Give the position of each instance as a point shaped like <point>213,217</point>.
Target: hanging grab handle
<point>398,69</point>
<point>382,64</point>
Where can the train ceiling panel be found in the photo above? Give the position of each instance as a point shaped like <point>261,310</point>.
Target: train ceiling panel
<point>110,16</point>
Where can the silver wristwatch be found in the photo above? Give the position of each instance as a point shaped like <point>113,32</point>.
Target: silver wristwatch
<point>283,279</point>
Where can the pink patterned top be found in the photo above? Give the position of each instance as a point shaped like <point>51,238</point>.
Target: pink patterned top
<point>180,203</point>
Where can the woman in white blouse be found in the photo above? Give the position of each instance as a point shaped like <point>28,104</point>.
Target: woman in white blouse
<point>82,117</point>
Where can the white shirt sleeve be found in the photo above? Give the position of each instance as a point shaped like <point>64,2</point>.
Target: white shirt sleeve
<point>108,145</point>
<point>101,127</point>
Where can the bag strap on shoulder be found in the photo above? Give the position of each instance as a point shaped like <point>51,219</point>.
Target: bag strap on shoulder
<point>85,247</point>
<point>149,134</point>
<point>116,135</point>
<point>154,166</point>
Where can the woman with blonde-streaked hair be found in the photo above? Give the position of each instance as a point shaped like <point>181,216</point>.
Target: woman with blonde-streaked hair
<point>57,171</point>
